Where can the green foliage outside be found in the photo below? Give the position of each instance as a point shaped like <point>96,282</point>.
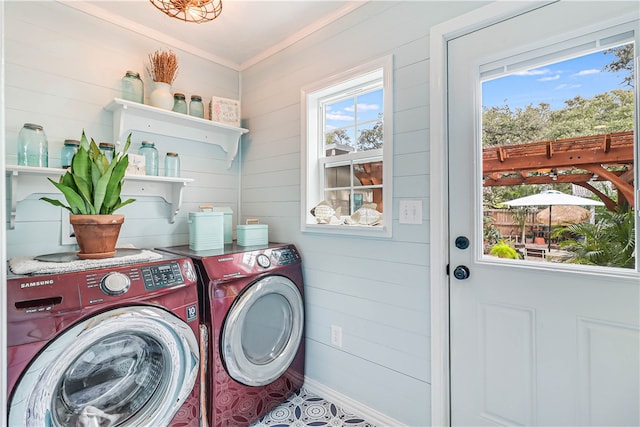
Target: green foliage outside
<point>503,250</point>
<point>93,184</point>
<point>369,139</point>
<point>609,242</point>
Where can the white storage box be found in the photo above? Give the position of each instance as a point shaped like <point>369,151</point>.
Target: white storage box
<point>206,230</point>
<point>253,235</point>
<point>228,222</point>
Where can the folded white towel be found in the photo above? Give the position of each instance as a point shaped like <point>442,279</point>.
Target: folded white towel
<point>29,265</point>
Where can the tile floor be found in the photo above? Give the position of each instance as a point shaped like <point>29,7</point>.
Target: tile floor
<point>306,409</point>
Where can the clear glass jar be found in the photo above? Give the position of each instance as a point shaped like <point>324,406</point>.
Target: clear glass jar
<point>172,165</point>
<point>107,149</point>
<point>196,109</point>
<point>132,87</point>
<point>33,147</point>
<point>150,153</point>
<point>69,150</point>
<point>179,103</point>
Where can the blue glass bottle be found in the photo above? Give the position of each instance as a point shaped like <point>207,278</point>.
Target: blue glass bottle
<point>196,109</point>
<point>172,165</point>
<point>108,149</point>
<point>33,147</point>
<point>179,103</point>
<point>68,151</point>
<point>150,153</point>
<point>132,87</point>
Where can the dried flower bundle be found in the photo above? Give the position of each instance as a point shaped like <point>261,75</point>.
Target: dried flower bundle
<point>163,66</point>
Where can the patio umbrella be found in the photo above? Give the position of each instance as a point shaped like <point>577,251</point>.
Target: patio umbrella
<point>552,198</point>
<point>563,215</point>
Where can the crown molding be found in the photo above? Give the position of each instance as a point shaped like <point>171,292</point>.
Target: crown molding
<point>98,12</point>
<point>94,10</point>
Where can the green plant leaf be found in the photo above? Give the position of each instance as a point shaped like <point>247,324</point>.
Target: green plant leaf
<point>76,202</point>
<point>56,202</point>
<point>81,168</point>
<point>101,189</point>
<point>121,204</point>
<point>114,187</point>
<point>84,142</point>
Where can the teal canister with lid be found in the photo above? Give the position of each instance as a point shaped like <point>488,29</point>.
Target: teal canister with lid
<point>150,153</point>
<point>132,87</point>
<point>196,108</point>
<point>33,147</point>
<point>69,150</point>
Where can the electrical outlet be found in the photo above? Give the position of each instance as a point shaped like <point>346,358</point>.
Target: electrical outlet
<point>336,335</point>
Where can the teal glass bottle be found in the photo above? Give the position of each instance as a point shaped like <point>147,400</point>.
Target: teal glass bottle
<point>172,165</point>
<point>132,87</point>
<point>33,147</point>
<point>68,151</point>
<point>196,109</point>
<point>179,103</point>
<point>150,153</point>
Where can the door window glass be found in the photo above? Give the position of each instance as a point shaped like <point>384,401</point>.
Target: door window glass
<point>555,131</point>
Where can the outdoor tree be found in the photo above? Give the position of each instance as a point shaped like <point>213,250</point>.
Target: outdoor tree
<point>623,62</point>
<point>337,136</point>
<point>370,139</point>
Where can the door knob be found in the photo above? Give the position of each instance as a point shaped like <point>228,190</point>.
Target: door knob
<point>461,272</point>
<point>462,242</point>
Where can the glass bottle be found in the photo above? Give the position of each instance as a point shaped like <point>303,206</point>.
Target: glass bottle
<point>150,153</point>
<point>107,149</point>
<point>33,148</point>
<point>172,165</point>
<point>196,108</point>
<point>132,87</point>
<point>69,150</point>
<point>179,103</point>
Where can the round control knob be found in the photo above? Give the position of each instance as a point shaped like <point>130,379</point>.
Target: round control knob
<point>263,261</point>
<point>115,284</point>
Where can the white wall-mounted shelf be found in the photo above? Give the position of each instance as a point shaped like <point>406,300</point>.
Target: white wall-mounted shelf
<point>26,180</point>
<point>131,116</point>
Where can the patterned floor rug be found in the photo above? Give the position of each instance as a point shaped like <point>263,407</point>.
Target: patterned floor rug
<point>306,409</point>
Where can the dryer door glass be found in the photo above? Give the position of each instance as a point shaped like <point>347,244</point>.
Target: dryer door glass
<point>263,331</point>
<point>267,328</point>
<point>128,366</point>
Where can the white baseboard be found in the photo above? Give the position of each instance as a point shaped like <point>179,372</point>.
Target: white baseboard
<point>371,415</point>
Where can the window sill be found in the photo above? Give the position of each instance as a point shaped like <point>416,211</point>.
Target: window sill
<point>380,232</point>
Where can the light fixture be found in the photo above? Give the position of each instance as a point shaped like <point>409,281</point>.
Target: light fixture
<point>190,10</point>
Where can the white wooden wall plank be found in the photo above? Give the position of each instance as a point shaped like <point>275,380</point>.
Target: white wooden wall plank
<point>63,67</point>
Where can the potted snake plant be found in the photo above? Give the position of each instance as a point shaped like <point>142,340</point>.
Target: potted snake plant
<point>91,188</point>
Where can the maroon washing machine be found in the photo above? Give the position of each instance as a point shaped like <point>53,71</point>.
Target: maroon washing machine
<point>105,347</point>
<point>252,302</point>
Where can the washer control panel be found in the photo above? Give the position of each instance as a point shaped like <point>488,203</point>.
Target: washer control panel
<point>161,276</point>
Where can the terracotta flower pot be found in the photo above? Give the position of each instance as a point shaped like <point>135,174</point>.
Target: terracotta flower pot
<point>96,234</point>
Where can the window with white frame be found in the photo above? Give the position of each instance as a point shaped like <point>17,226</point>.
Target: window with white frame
<point>347,152</point>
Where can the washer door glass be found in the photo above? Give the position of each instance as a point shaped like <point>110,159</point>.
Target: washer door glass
<point>263,330</point>
<point>133,366</point>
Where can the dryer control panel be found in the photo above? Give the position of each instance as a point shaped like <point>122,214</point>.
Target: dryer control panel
<point>161,276</point>
<point>285,256</point>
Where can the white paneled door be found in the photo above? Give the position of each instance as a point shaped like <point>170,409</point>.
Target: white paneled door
<point>535,342</point>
